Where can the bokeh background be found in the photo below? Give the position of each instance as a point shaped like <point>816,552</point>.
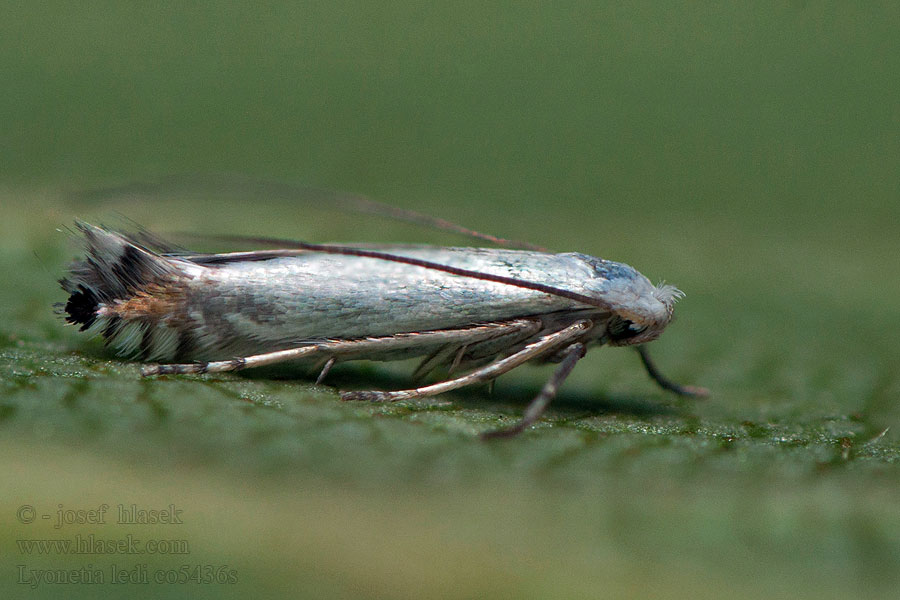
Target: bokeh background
<point>747,153</point>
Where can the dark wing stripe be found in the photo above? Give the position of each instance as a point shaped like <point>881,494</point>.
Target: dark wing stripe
<point>301,247</point>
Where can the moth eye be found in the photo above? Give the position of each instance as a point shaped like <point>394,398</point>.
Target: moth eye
<point>622,329</point>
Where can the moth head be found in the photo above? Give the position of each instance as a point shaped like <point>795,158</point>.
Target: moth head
<point>644,321</point>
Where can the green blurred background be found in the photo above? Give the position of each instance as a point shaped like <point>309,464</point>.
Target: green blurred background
<point>748,154</point>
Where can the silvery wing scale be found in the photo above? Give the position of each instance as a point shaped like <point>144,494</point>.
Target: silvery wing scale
<point>480,311</point>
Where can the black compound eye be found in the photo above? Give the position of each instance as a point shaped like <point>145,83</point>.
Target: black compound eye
<point>622,329</point>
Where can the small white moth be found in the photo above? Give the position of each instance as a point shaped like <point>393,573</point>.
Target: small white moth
<point>482,311</point>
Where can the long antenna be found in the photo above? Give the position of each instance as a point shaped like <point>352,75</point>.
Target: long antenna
<point>231,183</point>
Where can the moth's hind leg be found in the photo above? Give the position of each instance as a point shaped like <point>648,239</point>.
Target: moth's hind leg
<point>666,383</point>
<point>332,350</point>
<point>234,364</point>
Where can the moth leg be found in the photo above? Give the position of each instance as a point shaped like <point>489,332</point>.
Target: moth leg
<point>665,383</point>
<point>235,364</point>
<point>348,348</point>
<point>458,358</point>
<point>571,355</point>
<point>486,373</point>
<point>325,368</point>
<point>429,363</point>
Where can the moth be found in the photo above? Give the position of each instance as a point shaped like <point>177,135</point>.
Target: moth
<point>475,313</point>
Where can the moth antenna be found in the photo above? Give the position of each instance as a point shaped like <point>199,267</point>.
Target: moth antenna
<point>666,383</point>
<point>232,183</point>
